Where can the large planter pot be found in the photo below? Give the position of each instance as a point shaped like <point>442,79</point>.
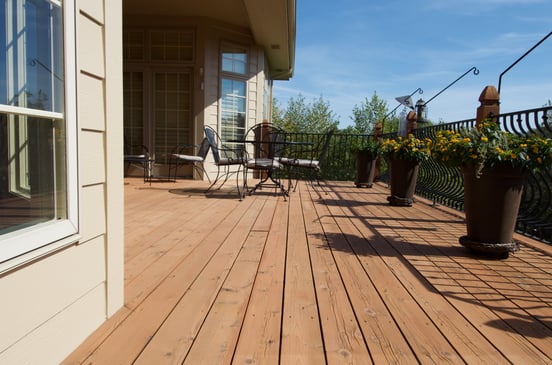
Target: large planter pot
<point>491,204</point>
<point>403,182</point>
<point>365,169</point>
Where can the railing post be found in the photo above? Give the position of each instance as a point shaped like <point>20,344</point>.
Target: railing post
<point>378,132</point>
<point>412,122</point>
<point>490,104</point>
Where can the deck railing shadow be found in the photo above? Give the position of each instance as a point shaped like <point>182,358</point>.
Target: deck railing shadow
<point>444,185</point>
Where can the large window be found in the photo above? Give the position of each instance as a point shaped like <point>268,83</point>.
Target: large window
<point>233,92</point>
<point>158,82</point>
<point>35,205</point>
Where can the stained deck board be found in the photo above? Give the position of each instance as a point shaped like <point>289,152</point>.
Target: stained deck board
<point>301,341</point>
<point>230,272</point>
<point>259,341</point>
<point>167,251</point>
<point>342,335</point>
<point>383,337</point>
<point>331,278</point>
<point>472,351</point>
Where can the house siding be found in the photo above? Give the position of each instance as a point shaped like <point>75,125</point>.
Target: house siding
<point>255,81</point>
<point>54,302</point>
<point>209,36</point>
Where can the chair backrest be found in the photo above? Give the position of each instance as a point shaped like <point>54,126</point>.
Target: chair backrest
<point>204,148</point>
<point>272,135</point>
<point>213,139</point>
<point>325,146</point>
<point>136,151</point>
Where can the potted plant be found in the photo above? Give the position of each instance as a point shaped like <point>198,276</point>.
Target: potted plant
<point>495,164</point>
<point>366,153</point>
<point>404,156</point>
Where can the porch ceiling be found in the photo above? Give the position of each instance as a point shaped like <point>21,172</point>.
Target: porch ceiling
<point>272,23</point>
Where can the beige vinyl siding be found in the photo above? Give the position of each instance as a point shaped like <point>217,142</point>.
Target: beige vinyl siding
<point>41,300</point>
<point>91,58</point>
<point>40,294</point>
<point>92,158</point>
<point>91,103</point>
<point>212,79</point>
<point>114,156</point>
<point>57,300</point>
<point>93,222</point>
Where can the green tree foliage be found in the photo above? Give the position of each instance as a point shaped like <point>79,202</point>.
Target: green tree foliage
<point>391,123</point>
<point>368,114</point>
<point>303,117</point>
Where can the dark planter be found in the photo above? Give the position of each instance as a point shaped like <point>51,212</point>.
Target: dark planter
<point>403,182</point>
<point>491,204</point>
<point>365,169</point>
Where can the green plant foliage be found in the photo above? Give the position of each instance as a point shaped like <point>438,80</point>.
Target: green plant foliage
<point>409,148</point>
<point>488,145</point>
<point>368,145</point>
<point>302,117</point>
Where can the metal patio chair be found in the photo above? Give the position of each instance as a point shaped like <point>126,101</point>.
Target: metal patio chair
<point>182,155</point>
<point>269,143</point>
<point>137,154</point>
<point>309,160</point>
<point>229,160</point>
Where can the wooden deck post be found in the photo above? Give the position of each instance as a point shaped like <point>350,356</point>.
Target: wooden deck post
<point>490,104</point>
<point>412,122</point>
<point>378,131</point>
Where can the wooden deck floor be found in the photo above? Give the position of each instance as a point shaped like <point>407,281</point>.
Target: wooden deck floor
<point>320,279</point>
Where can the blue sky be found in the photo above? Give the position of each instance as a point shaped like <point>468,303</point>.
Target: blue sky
<point>348,49</point>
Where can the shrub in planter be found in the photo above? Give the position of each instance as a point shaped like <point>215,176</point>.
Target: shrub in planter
<point>404,155</point>
<point>366,154</point>
<point>494,163</point>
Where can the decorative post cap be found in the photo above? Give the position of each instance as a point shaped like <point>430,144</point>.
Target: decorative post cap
<point>489,95</point>
<point>490,101</point>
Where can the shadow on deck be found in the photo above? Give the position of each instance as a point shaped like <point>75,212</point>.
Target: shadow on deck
<point>322,279</point>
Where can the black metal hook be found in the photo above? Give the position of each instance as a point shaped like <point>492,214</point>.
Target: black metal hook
<point>418,90</point>
<point>519,59</point>
<point>475,72</point>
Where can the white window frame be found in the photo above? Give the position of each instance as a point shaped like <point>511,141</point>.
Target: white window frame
<point>21,246</point>
<point>234,76</point>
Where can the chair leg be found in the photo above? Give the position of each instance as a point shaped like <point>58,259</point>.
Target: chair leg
<point>214,181</point>
<point>240,193</point>
<point>202,169</point>
<point>173,162</point>
<point>244,186</point>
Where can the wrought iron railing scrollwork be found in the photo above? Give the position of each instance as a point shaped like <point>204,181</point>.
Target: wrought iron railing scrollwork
<point>535,212</point>
<point>437,182</point>
<point>445,185</point>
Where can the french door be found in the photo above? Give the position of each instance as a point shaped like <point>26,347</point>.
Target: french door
<point>158,110</point>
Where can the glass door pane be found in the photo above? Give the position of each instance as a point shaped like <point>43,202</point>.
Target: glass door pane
<point>172,110</point>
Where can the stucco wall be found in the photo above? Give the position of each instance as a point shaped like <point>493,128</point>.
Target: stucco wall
<point>52,304</point>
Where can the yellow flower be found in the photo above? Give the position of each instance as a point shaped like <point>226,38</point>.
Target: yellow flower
<point>484,139</point>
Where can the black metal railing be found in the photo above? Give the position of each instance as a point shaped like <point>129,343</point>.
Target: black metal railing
<point>339,162</point>
<point>445,185</point>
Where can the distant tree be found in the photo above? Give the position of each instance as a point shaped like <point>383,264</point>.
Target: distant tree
<point>368,114</point>
<point>277,113</point>
<point>303,117</point>
<point>391,123</point>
